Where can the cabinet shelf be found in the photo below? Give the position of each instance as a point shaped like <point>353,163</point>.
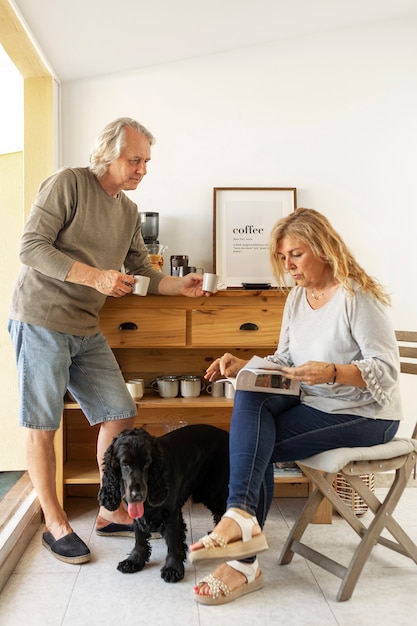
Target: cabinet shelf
<point>203,400</point>
<point>150,401</point>
<point>81,473</point>
<point>86,473</point>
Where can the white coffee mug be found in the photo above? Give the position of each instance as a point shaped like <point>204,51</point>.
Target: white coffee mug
<point>191,386</point>
<point>166,386</point>
<point>136,388</point>
<point>216,389</point>
<point>229,390</point>
<point>210,282</point>
<point>140,288</point>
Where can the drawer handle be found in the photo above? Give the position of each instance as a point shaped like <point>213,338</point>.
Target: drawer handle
<point>128,326</point>
<point>249,326</point>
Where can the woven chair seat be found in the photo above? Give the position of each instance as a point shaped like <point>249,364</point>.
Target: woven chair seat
<point>334,460</point>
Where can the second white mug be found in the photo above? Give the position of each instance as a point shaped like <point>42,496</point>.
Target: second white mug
<point>210,282</point>
<point>166,386</point>
<point>229,390</point>
<point>215,389</point>
<point>136,388</point>
<point>191,386</point>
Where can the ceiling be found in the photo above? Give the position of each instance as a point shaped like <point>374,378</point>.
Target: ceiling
<point>84,38</point>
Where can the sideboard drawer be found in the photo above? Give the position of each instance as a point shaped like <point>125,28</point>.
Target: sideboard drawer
<point>144,328</point>
<point>237,326</point>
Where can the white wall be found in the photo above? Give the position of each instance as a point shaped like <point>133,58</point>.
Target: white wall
<point>333,115</point>
<point>12,438</point>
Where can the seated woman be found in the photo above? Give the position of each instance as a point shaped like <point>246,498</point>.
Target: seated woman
<point>337,340</point>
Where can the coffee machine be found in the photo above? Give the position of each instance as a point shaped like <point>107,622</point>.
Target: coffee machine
<point>149,224</point>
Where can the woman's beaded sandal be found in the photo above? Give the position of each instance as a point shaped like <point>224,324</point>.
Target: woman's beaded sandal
<point>216,547</point>
<point>220,593</point>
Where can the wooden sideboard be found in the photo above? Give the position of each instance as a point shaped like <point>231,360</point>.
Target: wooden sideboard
<point>159,335</point>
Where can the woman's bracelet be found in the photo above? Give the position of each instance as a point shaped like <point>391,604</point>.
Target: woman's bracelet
<point>334,375</point>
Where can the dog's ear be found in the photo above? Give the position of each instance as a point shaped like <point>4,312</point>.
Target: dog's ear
<point>157,479</point>
<point>110,495</point>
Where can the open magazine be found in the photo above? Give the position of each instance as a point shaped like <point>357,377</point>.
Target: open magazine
<point>262,375</point>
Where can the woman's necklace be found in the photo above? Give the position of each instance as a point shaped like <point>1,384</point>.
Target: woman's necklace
<point>317,296</point>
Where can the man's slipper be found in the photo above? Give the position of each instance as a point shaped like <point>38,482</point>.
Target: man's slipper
<point>116,530</point>
<point>220,593</point>
<point>216,547</point>
<point>70,549</point>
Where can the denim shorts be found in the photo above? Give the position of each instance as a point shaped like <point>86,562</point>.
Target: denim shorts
<point>49,363</point>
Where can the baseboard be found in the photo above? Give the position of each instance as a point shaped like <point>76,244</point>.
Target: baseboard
<point>17,533</point>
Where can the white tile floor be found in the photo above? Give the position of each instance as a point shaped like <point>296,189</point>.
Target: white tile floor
<point>45,592</point>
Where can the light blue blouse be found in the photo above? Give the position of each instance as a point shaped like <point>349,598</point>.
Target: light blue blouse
<point>347,329</point>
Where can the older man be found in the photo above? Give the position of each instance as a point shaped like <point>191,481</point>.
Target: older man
<point>81,231</point>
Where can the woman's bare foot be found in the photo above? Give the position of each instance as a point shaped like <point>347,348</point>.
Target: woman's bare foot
<point>229,530</point>
<point>231,577</point>
<point>228,582</point>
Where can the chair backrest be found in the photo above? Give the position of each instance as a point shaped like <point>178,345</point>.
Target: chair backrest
<point>407,344</point>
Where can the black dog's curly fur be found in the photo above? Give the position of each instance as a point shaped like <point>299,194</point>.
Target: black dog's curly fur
<point>163,472</point>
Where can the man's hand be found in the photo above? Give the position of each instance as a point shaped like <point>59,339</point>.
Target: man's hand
<point>188,285</point>
<point>108,282</point>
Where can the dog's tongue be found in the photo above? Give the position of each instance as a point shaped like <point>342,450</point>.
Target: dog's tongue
<point>135,509</point>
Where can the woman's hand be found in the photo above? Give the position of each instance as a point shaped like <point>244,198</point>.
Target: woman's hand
<point>226,365</point>
<point>312,372</point>
<point>319,372</point>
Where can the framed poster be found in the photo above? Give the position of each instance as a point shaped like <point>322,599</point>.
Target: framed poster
<point>242,222</point>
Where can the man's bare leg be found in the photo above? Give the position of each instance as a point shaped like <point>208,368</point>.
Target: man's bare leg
<point>42,469</point>
<point>109,430</point>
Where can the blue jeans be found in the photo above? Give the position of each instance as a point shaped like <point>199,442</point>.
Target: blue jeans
<point>268,427</point>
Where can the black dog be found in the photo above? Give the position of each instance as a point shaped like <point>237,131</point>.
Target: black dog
<point>155,476</point>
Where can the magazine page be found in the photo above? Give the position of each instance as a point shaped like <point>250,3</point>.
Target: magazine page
<point>267,381</point>
<point>262,375</point>
<point>254,362</point>
<point>257,362</point>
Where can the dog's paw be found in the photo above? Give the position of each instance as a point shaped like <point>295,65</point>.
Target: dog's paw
<point>172,574</point>
<point>128,566</point>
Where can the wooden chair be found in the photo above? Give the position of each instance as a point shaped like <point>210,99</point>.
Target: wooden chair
<point>399,456</point>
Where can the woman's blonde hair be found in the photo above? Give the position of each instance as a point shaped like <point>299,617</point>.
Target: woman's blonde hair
<point>315,231</point>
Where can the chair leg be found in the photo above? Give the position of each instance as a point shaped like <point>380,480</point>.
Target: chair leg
<point>404,544</point>
<point>370,535</point>
<point>324,482</point>
<point>307,515</point>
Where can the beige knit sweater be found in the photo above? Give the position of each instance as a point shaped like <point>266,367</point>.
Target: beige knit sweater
<point>74,219</point>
